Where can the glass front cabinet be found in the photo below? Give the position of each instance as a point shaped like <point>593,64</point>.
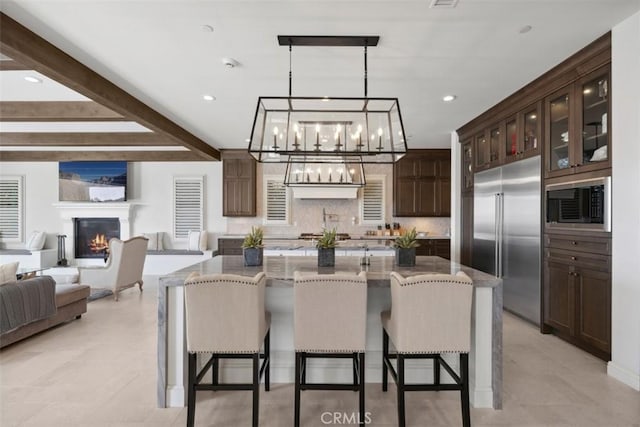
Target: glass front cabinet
<point>467,166</point>
<point>577,126</point>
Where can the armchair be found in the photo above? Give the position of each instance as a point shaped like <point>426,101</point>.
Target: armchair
<point>123,269</point>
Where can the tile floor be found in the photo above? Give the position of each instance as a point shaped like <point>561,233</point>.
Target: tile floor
<point>101,371</point>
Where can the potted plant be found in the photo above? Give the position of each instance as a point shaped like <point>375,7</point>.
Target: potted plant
<point>406,246</point>
<point>327,248</point>
<point>252,247</point>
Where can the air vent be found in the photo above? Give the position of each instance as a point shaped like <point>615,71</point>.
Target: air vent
<point>441,4</point>
<point>187,205</point>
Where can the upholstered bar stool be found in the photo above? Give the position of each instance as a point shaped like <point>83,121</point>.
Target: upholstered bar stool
<point>330,315</point>
<point>430,315</point>
<point>225,316</point>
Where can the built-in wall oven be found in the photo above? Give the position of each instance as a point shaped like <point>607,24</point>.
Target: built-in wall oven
<point>584,205</point>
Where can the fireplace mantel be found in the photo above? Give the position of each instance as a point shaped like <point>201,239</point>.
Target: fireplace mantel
<point>70,210</point>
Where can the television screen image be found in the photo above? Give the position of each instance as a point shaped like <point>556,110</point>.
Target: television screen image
<point>92,181</point>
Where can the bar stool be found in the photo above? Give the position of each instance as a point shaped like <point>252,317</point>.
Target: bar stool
<point>430,315</point>
<point>225,316</point>
<point>330,315</point>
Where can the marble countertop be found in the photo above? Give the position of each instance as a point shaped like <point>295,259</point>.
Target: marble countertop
<point>353,237</point>
<point>280,269</point>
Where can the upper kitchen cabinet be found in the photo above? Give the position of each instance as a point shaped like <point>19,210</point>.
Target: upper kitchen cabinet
<point>239,183</point>
<point>467,166</point>
<point>481,151</point>
<point>422,184</point>
<point>577,124</point>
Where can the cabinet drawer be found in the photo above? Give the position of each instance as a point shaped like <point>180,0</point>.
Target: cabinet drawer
<point>577,243</point>
<point>579,259</point>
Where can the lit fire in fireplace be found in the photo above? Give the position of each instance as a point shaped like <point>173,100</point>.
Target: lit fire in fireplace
<point>99,243</point>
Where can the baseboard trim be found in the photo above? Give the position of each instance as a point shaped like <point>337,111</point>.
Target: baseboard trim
<point>623,375</point>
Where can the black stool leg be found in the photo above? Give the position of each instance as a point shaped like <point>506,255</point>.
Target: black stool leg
<point>303,367</point>
<point>297,379</point>
<point>436,370</point>
<point>267,358</point>
<point>191,390</point>
<point>361,369</point>
<point>464,393</point>
<point>400,384</point>
<point>256,388</point>
<point>355,368</point>
<point>385,357</point>
<point>215,374</point>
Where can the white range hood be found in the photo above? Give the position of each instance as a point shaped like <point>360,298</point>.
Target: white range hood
<point>336,192</point>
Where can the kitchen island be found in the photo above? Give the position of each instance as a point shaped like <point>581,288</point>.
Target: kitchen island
<point>485,358</point>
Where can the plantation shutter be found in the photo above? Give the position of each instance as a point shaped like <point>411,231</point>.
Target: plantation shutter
<point>372,203</point>
<point>187,206</point>
<point>276,201</point>
<point>11,206</point>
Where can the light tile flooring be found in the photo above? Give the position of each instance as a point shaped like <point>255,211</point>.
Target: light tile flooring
<point>101,370</point>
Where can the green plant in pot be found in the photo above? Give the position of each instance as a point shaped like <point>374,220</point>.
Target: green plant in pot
<point>252,247</point>
<point>406,246</point>
<point>327,248</point>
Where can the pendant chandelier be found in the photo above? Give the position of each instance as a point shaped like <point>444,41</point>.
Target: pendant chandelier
<point>288,129</point>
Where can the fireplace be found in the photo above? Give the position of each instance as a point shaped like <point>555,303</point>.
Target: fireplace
<point>92,235</point>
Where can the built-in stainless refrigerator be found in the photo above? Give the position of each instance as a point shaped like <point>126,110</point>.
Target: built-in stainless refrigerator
<point>506,232</point>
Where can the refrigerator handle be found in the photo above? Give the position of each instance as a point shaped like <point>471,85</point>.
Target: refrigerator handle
<point>499,243</point>
<point>496,258</point>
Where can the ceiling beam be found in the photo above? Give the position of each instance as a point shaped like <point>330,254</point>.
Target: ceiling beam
<point>11,65</point>
<point>131,156</point>
<point>69,139</point>
<point>25,46</point>
<point>56,111</point>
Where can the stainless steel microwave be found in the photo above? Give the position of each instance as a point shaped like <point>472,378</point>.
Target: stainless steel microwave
<point>584,205</point>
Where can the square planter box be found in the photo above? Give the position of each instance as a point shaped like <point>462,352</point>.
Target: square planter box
<point>326,257</point>
<point>405,257</point>
<point>252,256</point>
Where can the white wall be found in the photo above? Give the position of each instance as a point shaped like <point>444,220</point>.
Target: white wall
<point>149,188</point>
<point>625,316</point>
<point>456,197</point>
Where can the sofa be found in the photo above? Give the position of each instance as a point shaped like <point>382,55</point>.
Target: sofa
<point>34,305</point>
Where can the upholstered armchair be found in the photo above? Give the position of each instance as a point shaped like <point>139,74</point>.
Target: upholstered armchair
<point>123,268</point>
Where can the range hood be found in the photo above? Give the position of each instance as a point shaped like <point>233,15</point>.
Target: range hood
<point>336,192</point>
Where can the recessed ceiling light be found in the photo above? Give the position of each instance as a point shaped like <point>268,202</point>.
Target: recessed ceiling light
<point>525,29</point>
<point>32,79</point>
<point>207,28</point>
<point>208,97</point>
<point>448,98</point>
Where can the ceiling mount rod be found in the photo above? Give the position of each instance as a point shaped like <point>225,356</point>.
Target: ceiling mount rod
<point>328,40</point>
<point>289,68</point>
<point>365,70</point>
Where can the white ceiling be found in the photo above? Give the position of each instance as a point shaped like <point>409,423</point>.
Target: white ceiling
<point>158,51</point>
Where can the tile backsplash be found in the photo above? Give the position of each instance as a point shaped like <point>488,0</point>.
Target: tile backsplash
<point>306,214</point>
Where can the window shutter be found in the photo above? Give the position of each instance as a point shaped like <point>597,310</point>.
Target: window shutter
<point>372,202</point>
<point>276,201</point>
<point>187,206</point>
<point>11,206</point>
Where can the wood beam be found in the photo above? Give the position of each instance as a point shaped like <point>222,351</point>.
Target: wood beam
<point>70,139</point>
<point>11,65</point>
<point>56,111</point>
<point>26,47</point>
<point>131,156</point>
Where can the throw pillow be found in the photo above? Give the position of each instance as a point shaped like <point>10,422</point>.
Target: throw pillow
<point>155,241</point>
<point>194,241</point>
<point>8,272</point>
<point>36,240</point>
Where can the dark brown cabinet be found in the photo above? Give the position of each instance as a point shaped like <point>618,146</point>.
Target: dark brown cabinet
<point>422,184</point>
<point>230,246</point>
<point>434,247</point>
<point>577,290</point>
<point>577,123</point>
<point>238,184</point>
<point>467,166</point>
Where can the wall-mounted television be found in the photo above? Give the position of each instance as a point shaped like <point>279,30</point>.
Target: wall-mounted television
<point>92,181</point>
